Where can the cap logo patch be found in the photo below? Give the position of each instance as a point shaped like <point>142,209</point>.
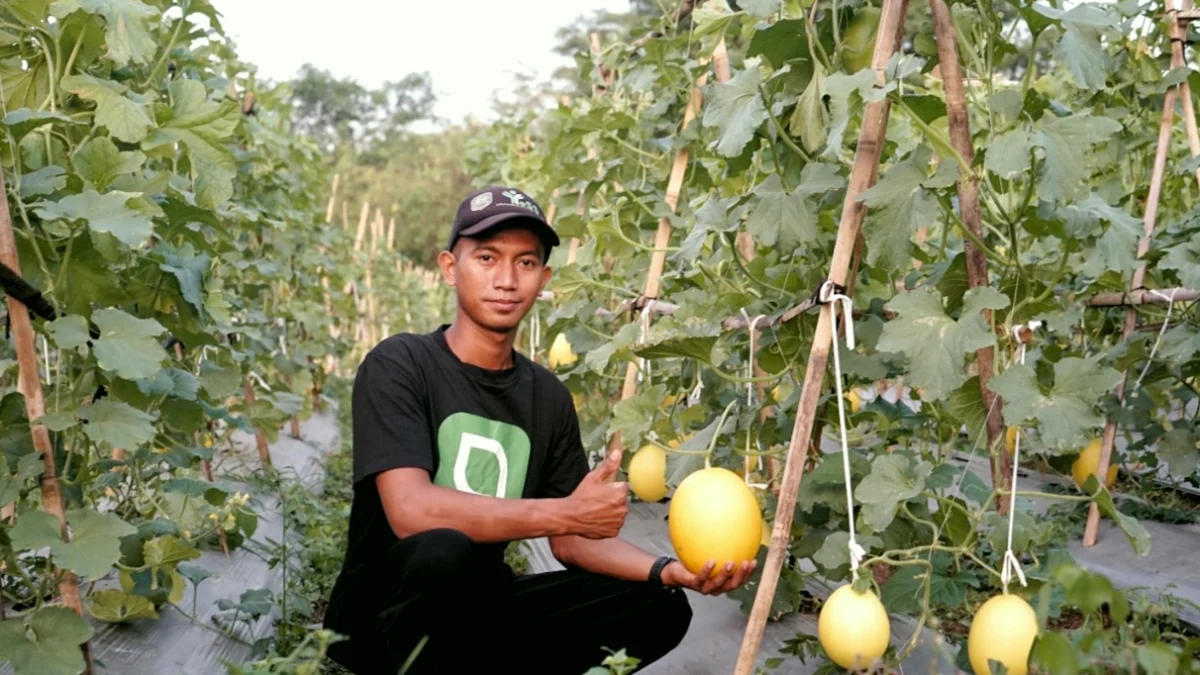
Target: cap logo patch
<point>518,199</point>
<point>481,201</point>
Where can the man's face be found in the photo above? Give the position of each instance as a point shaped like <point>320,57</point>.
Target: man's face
<point>497,279</point>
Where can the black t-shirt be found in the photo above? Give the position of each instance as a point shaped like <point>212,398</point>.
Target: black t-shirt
<point>509,433</point>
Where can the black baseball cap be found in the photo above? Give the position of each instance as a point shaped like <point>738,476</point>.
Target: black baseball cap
<point>496,206</point>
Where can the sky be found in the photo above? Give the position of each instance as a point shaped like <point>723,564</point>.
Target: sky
<point>469,47</point>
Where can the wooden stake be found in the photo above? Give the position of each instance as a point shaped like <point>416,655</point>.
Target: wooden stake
<point>968,204</point>
<point>1156,180</point>
<point>1178,30</point>
<point>35,407</point>
<point>332,198</point>
<point>264,450</point>
<point>862,176</point>
<point>362,226</point>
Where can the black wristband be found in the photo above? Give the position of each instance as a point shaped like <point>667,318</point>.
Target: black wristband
<point>657,568</point>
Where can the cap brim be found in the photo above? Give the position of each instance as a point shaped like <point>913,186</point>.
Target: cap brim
<point>541,227</point>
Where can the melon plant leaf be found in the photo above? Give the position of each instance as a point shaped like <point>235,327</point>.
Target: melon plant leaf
<point>44,181</point>
<point>1157,658</point>
<point>219,382</point>
<point>127,345</point>
<point>810,119</point>
<point>104,213</point>
<point>1081,50</point>
<point>1055,654</point>
<point>693,338</point>
<point>1065,414</point>
<point>780,217</point>
<point>100,163</point>
<point>202,126</point>
<point>48,644</point>
<point>897,205</point>
<point>124,118</point>
<point>893,479</point>
<point>115,605</point>
<point>633,416</point>
<point>1008,153</point>
<point>88,278</point>
<point>118,424</point>
<point>1180,449</point>
<point>171,382</point>
<point>835,550</point>
<point>24,120</point>
<point>188,268</point>
<point>736,109</point>
<point>70,332</point>
<point>1117,244</point>
<point>127,34</point>
<point>28,466</point>
<point>965,406</point>
<point>937,345</point>
<point>841,88</point>
<point>95,539</point>
<point>1138,537</point>
<point>1181,342</point>
<point>1066,141</point>
<point>1184,258</point>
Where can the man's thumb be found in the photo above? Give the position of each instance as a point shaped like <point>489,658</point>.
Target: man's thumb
<point>610,465</point>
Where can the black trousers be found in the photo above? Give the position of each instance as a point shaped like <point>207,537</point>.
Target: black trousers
<point>479,617</point>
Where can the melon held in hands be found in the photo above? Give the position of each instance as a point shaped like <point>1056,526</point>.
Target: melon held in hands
<point>1003,629</point>
<point>853,628</point>
<point>714,515</point>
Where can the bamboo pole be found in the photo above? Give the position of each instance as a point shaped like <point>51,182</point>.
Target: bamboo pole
<point>1178,30</point>
<point>332,198</point>
<point>1156,180</point>
<point>30,386</point>
<point>264,450</point>
<point>968,204</point>
<point>1143,297</point>
<point>362,226</point>
<point>866,166</point>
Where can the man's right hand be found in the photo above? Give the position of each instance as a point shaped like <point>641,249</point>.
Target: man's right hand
<point>597,505</point>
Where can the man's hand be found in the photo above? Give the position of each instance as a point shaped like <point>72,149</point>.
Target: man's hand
<point>728,579</point>
<point>598,507</point>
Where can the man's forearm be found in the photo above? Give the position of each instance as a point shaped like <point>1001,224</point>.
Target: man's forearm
<point>612,557</point>
<point>482,518</point>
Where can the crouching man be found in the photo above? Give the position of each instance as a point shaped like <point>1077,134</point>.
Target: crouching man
<point>462,445</point>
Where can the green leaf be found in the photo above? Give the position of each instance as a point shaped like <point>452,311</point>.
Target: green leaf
<point>809,118</point>
<point>966,407</point>
<point>1157,658</point>
<point>171,382</point>
<point>1084,56</point>
<point>167,551</point>
<point>736,109</point>
<point>70,332</point>
<point>1180,449</point>
<point>89,278</point>
<point>103,213</point>
<point>781,217</point>
<point>189,269</point>
<point>57,421</point>
<point>48,644</point>
<point>202,126</point>
<point>124,118</point>
<point>44,181</point>
<point>1055,654</point>
<point>897,205</point>
<point>28,466</point>
<point>1117,246</point>
<point>904,590</point>
<point>99,162</point>
<point>24,120</point>
<point>1067,413</point>
<point>116,606</point>
<point>118,424</point>
<point>692,338</point>
<point>633,416</point>
<point>1008,153</point>
<point>127,345</point>
<point>218,382</point>
<point>127,26</point>
<point>841,89</point>
<point>1138,537</point>
<point>1184,258</point>
<point>935,344</point>
<point>1066,141</point>
<point>893,479</point>
<point>95,539</point>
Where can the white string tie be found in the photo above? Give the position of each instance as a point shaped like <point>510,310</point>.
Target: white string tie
<point>857,552</point>
<point>1011,564</point>
<point>643,364</point>
<point>535,334</point>
<point>751,325</point>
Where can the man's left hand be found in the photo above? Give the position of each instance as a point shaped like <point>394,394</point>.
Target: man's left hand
<point>727,579</point>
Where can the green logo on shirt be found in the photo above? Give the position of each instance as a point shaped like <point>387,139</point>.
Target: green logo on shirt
<point>482,456</point>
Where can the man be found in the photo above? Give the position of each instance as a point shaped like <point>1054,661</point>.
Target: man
<point>462,445</point>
